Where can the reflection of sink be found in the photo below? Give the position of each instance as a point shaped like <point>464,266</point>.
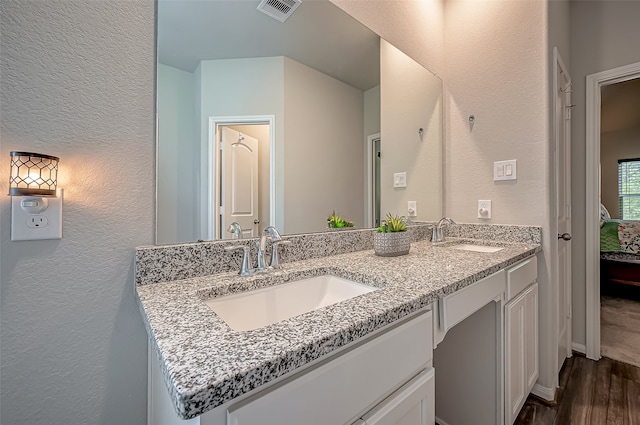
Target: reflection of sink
<point>476,248</point>
<point>255,309</point>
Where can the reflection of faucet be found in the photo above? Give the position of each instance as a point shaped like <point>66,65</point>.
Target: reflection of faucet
<point>236,230</point>
<point>437,235</point>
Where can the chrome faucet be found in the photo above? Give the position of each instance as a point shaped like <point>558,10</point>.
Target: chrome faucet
<point>236,230</point>
<point>437,235</point>
<point>269,232</point>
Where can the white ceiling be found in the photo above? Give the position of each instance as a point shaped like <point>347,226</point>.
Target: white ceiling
<point>620,107</point>
<point>317,34</point>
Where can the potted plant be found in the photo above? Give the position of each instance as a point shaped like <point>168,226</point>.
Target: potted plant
<point>392,238</point>
<point>334,221</point>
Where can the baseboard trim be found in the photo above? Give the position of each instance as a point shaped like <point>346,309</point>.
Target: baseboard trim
<point>544,393</point>
<point>440,421</point>
<point>580,348</point>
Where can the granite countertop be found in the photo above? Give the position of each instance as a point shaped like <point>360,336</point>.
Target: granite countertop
<point>205,363</point>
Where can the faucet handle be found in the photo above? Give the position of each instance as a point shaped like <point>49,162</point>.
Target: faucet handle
<point>245,269</point>
<point>261,245</point>
<point>275,257</point>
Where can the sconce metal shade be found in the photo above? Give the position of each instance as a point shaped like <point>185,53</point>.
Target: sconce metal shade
<point>33,174</point>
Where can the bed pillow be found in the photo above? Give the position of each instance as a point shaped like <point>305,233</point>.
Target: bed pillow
<point>609,241</point>
<point>629,234</point>
<point>604,215</point>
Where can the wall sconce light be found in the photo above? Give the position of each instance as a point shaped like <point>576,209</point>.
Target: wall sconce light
<point>36,201</point>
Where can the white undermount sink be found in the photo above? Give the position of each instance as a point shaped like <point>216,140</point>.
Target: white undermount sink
<point>254,309</point>
<point>476,248</point>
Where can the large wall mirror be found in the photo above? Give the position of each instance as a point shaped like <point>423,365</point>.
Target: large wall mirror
<point>265,122</point>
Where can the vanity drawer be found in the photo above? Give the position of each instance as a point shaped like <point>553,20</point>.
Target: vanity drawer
<point>520,276</point>
<point>456,307</point>
<point>364,376</point>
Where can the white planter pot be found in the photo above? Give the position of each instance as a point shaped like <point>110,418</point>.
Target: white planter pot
<point>391,244</point>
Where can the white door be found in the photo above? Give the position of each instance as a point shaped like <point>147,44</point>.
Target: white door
<point>239,183</point>
<point>563,203</point>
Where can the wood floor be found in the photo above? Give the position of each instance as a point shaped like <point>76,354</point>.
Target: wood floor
<point>605,392</point>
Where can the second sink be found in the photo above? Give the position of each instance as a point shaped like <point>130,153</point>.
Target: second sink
<point>261,307</point>
<point>476,248</point>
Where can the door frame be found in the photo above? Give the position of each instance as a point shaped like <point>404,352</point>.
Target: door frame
<point>592,282</point>
<point>210,175</point>
<point>369,199</point>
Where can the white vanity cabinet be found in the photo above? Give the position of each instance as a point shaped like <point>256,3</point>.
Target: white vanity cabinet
<point>387,378</point>
<point>521,336</point>
<point>486,335</point>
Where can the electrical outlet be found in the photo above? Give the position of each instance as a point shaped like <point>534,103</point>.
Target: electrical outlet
<point>36,223</point>
<point>484,209</point>
<point>412,209</point>
<point>36,220</point>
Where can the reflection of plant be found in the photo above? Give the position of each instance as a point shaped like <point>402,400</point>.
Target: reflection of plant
<point>334,221</point>
<point>392,224</point>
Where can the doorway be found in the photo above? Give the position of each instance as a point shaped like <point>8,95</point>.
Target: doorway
<point>372,207</point>
<point>595,83</point>
<point>241,175</point>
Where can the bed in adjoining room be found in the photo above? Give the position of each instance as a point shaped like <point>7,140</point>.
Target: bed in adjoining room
<point>619,251</point>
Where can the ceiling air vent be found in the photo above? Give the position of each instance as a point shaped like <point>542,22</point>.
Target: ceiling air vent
<point>279,10</point>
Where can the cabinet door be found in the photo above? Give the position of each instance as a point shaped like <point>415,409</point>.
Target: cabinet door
<point>515,357</point>
<point>531,336</point>
<point>412,404</point>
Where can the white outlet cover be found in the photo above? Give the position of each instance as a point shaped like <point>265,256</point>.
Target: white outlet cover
<point>484,209</point>
<point>412,209</point>
<point>46,224</point>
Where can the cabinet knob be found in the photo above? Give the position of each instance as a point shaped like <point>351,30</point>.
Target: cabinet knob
<point>564,236</point>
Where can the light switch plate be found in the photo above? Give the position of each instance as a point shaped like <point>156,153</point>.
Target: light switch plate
<point>46,224</point>
<point>400,179</point>
<point>504,170</point>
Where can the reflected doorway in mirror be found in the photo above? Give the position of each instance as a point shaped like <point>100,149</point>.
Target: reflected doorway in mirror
<point>239,174</point>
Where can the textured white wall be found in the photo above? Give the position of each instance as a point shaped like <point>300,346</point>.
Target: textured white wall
<point>604,35</point>
<point>496,70</point>
<point>77,81</point>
